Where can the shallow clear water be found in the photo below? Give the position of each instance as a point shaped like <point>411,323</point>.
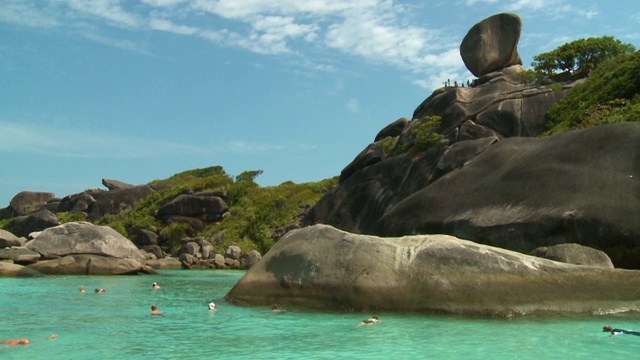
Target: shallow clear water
<point>117,325</point>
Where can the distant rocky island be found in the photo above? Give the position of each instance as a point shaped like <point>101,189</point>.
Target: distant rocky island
<point>461,209</point>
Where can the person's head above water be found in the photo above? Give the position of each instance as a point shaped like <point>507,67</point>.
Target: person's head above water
<point>607,328</point>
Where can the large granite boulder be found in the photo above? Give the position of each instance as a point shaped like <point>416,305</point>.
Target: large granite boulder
<point>205,207</point>
<point>26,202</point>
<point>115,201</point>
<point>322,267</point>
<point>574,254</point>
<point>491,44</point>
<point>522,193</point>
<point>19,255</point>
<point>8,269</point>
<point>84,238</point>
<point>7,239</point>
<point>115,184</point>
<point>24,225</point>
<point>84,264</point>
<point>519,193</point>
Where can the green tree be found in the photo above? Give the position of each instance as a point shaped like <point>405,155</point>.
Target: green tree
<point>610,94</point>
<point>578,58</point>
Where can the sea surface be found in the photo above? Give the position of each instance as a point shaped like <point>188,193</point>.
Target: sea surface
<point>117,325</point>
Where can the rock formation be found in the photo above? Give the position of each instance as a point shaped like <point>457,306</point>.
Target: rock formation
<point>322,267</point>
<point>489,178</point>
<point>491,44</point>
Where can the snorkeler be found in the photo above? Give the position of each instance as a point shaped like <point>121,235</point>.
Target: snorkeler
<point>372,320</point>
<point>212,306</point>
<point>155,286</point>
<point>154,310</point>
<point>23,341</point>
<point>615,332</point>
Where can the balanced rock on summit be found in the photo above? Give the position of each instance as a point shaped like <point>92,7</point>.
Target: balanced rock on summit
<point>491,44</point>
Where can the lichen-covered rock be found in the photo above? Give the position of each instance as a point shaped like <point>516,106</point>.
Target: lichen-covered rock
<point>492,44</point>
<point>322,267</point>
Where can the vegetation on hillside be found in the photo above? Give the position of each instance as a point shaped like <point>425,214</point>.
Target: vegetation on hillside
<point>610,94</point>
<point>254,211</point>
<point>577,59</point>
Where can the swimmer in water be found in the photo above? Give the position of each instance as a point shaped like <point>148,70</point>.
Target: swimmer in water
<point>615,332</point>
<point>154,310</point>
<point>155,286</point>
<point>212,306</point>
<point>368,322</point>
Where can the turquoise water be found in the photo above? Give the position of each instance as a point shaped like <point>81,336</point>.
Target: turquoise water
<point>117,325</point>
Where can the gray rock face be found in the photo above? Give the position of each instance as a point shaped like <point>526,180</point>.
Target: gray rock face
<point>114,201</point>
<point>19,255</point>
<point>194,205</point>
<point>115,184</point>
<point>7,239</point>
<point>24,225</point>
<point>522,193</point>
<point>322,267</point>
<point>491,44</point>
<point>8,269</point>
<point>84,238</point>
<point>26,202</point>
<point>574,254</point>
<point>88,265</point>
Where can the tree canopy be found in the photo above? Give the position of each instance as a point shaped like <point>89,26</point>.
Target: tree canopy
<point>610,94</point>
<point>578,58</point>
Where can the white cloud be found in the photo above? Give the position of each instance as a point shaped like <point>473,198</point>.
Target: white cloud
<point>21,13</point>
<point>353,105</point>
<point>109,10</point>
<point>168,26</point>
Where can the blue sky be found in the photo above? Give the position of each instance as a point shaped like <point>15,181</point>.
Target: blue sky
<point>141,90</point>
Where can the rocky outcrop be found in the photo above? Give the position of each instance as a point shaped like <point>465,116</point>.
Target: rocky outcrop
<point>574,254</point>
<point>487,177</point>
<point>115,201</point>
<point>7,239</point>
<point>491,44</point>
<point>204,207</point>
<point>19,255</point>
<point>26,224</point>
<point>8,269</point>
<point>26,202</point>
<point>322,267</point>
<point>115,184</point>
<point>88,265</point>
<point>84,238</point>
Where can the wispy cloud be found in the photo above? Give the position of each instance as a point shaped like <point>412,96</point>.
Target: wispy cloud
<point>372,30</point>
<point>75,143</point>
<point>353,105</point>
<point>22,13</point>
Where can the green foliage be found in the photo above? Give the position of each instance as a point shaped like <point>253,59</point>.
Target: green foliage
<point>425,133</point>
<point>578,58</point>
<point>388,144</point>
<point>254,211</point>
<point>5,222</point>
<point>260,210</point>
<point>71,216</point>
<point>172,234</point>
<point>608,95</point>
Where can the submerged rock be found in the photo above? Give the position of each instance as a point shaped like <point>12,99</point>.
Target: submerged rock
<point>322,267</point>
